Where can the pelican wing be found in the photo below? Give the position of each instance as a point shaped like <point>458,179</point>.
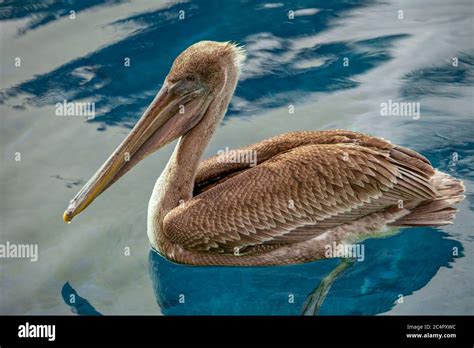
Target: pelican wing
<point>304,184</point>
<point>218,169</point>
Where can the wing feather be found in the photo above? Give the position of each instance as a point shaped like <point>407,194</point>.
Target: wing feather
<point>304,183</point>
<point>291,197</point>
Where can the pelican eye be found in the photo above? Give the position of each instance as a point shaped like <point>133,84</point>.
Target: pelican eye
<point>190,78</point>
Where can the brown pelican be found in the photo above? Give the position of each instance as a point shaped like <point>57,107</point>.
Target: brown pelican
<point>307,190</point>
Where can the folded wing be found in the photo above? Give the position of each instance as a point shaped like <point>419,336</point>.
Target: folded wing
<point>304,184</point>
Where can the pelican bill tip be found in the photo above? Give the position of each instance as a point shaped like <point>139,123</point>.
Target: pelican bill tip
<point>67,216</point>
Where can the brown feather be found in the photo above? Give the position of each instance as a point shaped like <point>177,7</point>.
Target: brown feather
<point>332,178</point>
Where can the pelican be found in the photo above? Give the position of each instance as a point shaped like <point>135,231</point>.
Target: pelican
<point>306,189</point>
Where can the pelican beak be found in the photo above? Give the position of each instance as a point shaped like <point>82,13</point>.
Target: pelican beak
<point>173,112</point>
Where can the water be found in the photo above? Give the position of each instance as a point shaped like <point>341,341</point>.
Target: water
<point>103,259</point>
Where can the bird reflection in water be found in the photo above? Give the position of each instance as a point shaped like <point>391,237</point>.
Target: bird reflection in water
<point>393,267</point>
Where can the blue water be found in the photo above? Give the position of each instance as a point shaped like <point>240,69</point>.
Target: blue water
<point>393,268</point>
<point>145,50</point>
<point>283,68</point>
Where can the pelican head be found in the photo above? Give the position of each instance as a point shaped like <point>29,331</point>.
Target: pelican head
<point>203,77</point>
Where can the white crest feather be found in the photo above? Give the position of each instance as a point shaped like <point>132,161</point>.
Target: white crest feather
<point>239,53</point>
